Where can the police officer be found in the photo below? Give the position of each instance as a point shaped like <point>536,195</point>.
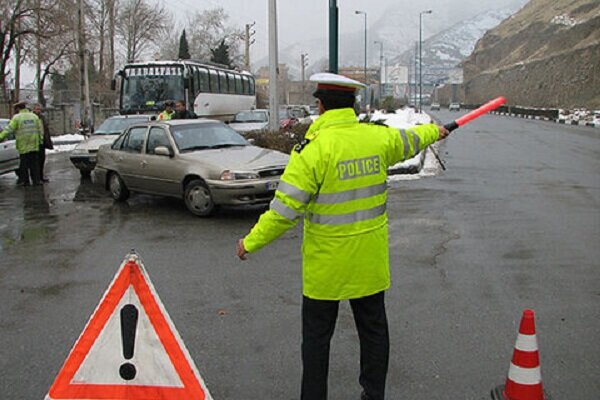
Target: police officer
<point>46,140</point>
<point>336,181</point>
<point>28,130</point>
<point>167,114</point>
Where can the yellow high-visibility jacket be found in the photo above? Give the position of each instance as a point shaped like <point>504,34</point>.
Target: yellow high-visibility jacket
<point>336,180</point>
<point>28,131</point>
<point>166,116</point>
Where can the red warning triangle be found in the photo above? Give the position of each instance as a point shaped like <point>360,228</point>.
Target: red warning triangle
<point>129,349</point>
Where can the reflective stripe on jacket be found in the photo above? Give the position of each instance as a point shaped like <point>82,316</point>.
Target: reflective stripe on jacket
<point>28,131</point>
<point>337,183</point>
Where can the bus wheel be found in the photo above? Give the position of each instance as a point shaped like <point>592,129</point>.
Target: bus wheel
<point>198,199</point>
<point>117,187</point>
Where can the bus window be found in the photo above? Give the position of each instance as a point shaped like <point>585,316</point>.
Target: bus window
<point>203,80</point>
<point>222,82</point>
<point>231,83</point>
<point>251,85</point>
<point>238,85</point>
<point>194,86</point>
<point>214,81</point>
<point>245,84</point>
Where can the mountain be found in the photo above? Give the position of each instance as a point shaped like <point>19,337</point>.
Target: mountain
<point>444,51</point>
<point>397,29</point>
<point>546,55</point>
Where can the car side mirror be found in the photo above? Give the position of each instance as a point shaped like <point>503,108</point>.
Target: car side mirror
<point>163,151</point>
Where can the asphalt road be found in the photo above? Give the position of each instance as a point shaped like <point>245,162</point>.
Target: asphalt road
<point>513,223</point>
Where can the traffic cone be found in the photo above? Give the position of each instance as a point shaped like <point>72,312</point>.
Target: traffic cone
<point>524,381</point>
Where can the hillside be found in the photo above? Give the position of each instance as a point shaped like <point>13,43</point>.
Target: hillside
<point>546,55</point>
<point>445,50</point>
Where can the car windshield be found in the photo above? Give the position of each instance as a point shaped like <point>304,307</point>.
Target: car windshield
<point>114,126</point>
<point>202,136</point>
<point>250,116</point>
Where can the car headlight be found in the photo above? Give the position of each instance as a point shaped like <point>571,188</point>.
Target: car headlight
<point>79,151</point>
<point>228,175</point>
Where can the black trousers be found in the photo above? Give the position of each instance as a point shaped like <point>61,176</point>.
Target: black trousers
<point>318,324</point>
<point>29,166</point>
<point>42,161</point>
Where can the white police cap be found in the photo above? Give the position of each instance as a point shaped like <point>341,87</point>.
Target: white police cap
<point>329,81</point>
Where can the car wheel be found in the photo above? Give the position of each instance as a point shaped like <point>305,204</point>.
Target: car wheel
<point>198,199</point>
<point>117,187</point>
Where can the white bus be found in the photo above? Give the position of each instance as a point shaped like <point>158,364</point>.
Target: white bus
<point>210,90</point>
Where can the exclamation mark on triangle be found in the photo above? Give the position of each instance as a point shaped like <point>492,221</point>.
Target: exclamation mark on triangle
<point>129,318</point>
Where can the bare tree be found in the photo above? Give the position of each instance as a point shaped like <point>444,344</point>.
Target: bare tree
<point>17,22</point>
<point>208,29</point>
<point>98,12</point>
<point>52,42</point>
<point>141,25</point>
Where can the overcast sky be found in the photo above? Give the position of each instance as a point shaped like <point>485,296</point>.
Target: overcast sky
<point>297,19</point>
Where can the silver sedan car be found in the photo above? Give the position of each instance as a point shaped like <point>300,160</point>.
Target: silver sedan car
<point>205,162</point>
<point>83,156</point>
<point>9,156</point>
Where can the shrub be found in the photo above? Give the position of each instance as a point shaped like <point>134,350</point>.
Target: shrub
<point>281,140</point>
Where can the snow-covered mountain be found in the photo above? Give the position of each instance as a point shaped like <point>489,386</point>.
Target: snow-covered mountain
<point>398,30</point>
<point>447,49</point>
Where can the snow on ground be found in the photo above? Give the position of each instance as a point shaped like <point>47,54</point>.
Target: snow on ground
<point>64,143</point>
<point>402,119</point>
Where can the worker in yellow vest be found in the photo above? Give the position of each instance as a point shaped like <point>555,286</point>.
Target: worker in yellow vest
<point>168,113</point>
<point>336,181</point>
<point>28,131</point>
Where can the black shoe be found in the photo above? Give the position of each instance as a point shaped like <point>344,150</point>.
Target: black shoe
<point>364,396</point>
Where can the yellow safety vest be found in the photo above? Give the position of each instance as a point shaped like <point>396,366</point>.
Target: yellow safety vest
<point>28,131</point>
<point>336,180</point>
<point>165,116</point>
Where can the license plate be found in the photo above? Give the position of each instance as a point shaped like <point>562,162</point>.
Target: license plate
<point>272,185</point>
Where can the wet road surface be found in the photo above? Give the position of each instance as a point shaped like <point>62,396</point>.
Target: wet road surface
<point>513,223</point>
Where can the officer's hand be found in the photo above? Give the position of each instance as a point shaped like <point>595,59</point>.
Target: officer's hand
<point>443,132</point>
<point>241,251</point>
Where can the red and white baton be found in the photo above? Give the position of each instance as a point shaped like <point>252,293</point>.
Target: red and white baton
<point>465,119</point>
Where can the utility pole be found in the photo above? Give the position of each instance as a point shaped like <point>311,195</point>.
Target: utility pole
<point>249,42</point>
<point>333,36</point>
<point>420,57</point>
<point>17,93</point>
<point>380,69</point>
<point>38,52</point>
<point>84,88</point>
<point>303,65</point>
<point>110,7</point>
<point>416,71</point>
<point>273,68</point>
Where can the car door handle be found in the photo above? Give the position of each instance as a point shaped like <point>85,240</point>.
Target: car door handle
<point>143,163</point>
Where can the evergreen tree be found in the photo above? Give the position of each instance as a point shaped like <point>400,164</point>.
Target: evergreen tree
<point>220,54</point>
<point>184,48</point>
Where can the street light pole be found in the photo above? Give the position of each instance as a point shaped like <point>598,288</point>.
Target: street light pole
<point>273,68</point>
<point>303,65</point>
<point>420,57</point>
<point>380,69</point>
<point>248,43</point>
<point>365,14</point>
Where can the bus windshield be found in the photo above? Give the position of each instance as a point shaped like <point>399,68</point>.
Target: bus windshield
<point>147,88</point>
